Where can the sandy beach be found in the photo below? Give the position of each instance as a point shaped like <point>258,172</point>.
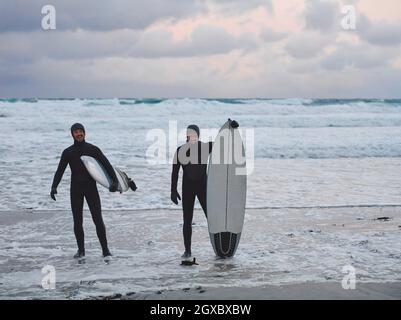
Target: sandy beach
<point>300,291</point>
<point>284,253</point>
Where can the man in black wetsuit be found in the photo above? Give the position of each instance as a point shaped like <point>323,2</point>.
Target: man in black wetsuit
<point>193,157</point>
<point>84,186</point>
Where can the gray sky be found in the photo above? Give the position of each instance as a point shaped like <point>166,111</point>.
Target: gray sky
<point>201,48</point>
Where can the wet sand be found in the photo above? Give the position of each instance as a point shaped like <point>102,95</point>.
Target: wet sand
<point>301,291</point>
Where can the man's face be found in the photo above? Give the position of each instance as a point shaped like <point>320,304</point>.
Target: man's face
<point>192,136</point>
<point>79,135</point>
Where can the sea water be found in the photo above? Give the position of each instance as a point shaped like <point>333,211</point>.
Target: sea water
<point>306,152</point>
<point>324,171</point>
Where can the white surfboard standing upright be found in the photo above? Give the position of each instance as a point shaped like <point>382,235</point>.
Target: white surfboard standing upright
<point>226,191</point>
<point>100,175</point>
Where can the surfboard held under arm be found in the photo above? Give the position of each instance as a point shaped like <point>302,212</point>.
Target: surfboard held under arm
<point>100,175</point>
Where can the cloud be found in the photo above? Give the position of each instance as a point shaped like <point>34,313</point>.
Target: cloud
<point>268,35</point>
<point>230,7</point>
<point>154,43</point>
<point>356,56</point>
<point>13,78</point>
<point>22,15</point>
<point>204,40</point>
<point>382,33</point>
<point>209,39</point>
<point>306,45</point>
<point>198,48</point>
<point>323,15</point>
<point>78,44</point>
<point>303,67</point>
<point>114,77</point>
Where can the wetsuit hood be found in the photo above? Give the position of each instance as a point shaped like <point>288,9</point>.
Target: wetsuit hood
<point>74,127</point>
<point>77,126</point>
<point>195,128</point>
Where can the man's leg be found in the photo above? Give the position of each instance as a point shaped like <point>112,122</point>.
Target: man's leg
<point>201,194</point>
<point>77,203</point>
<point>93,200</point>
<point>188,201</point>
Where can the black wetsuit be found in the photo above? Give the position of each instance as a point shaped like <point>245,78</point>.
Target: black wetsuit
<point>193,182</point>
<point>83,186</point>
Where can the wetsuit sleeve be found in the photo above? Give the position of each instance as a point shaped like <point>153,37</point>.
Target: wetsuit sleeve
<point>106,164</point>
<point>210,146</point>
<point>175,171</point>
<point>60,170</point>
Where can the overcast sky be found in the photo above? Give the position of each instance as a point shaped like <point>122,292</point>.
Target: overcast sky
<point>201,48</point>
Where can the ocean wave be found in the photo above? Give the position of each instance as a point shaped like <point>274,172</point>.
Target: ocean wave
<point>99,102</point>
<point>339,102</point>
<point>60,99</point>
<point>212,101</point>
<point>229,101</point>
<point>127,102</point>
<point>12,100</point>
<point>15,100</point>
<point>265,101</point>
<point>131,101</point>
<point>290,102</point>
<point>252,101</point>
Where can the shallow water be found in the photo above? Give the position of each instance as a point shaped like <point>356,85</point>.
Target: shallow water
<point>278,246</point>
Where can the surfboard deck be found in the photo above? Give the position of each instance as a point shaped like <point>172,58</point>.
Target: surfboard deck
<point>226,191</point>
<point>100,175</point>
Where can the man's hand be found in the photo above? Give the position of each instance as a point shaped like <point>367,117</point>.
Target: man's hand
<point>113,187</point>
<point>52,193</point>
<point>175,196</point>
<point>234,124</point>
<point>132,185</point>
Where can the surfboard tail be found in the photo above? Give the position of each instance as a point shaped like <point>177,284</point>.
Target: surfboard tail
<point>122,177</point>
<point>225,243</point>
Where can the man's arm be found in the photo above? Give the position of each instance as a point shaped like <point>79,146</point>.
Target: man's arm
<point>60,170</point>
<point>175,172</point>
<point>106,164</point>
<point>58,175</point>
<point>174,178</point>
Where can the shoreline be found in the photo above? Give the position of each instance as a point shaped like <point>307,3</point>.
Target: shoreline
<point>86,209</point>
